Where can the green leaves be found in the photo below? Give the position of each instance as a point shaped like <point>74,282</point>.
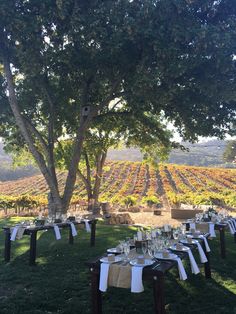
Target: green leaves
<point>164,60</point>
<point>230,151</point>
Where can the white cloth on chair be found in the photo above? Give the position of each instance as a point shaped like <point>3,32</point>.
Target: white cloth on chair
<point>87,225</point>
<point>73,229</point>
<point>57,232</point>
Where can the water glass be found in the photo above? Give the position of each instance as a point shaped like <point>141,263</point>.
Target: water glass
<point>144,248</point>
<point>126,248</point>
<point>152,250</point>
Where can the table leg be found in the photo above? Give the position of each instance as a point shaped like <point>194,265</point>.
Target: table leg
<point>222,243</point>
<point>187,226</point>
<point>207,265</point>
<point>158,293</point>
<point>33,242</point>
<point>96,293</point>
<point>93,232</point>
<point>7,251</point>
<point>71,238</point>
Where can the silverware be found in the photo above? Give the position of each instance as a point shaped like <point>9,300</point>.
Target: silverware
<point>156,266</point>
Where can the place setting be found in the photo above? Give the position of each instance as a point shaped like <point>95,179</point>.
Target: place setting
<point>147,250</point>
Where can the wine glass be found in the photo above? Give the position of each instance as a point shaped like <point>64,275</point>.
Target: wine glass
<point>144,248</point>
<point>121,245</point>
<point>152,250</point>
<point>126,248</point>
<point>176,234</point>
<point>64,217</point>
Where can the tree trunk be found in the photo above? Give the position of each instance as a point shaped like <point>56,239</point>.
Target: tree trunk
<point>98,179</point>
<point>88,186</point>
<point>71,177</point>
<point>55,207</point>
<point>25,131</point>
<point>28,132</point>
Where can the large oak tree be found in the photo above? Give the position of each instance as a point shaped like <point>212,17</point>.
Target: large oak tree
<point>173,58</point>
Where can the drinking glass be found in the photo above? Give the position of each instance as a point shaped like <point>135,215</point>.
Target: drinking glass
<point>176,234</point>
<point>126,248</point>
<point>159,231</point>
<point>121,244</point>
<point>152,250</point>
<point>144,248</point>
<point>63,217</point>
<point>127,240</point>
<point>148,235</point>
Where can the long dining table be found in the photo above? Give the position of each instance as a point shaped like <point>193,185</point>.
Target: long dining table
<point>32,233</point>
<point>155,273</point>
<point>221,227</point>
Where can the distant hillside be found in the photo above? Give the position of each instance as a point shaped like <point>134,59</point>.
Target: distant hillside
<point>3,156</point>
<point>200,154</point>
<point>7,172</point>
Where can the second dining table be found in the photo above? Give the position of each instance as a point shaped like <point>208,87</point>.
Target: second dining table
<point>33,231</point>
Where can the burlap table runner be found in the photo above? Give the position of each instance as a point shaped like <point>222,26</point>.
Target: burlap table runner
<point>120,274</point>
<point>202,227</point>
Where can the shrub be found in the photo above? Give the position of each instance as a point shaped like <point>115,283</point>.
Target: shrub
<point>129,200</point>
<point>151,200</point>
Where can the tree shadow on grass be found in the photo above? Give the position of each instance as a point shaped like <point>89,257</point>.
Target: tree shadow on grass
<point>60,282</point>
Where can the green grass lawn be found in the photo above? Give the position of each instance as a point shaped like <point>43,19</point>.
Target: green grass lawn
<point>60,281</point>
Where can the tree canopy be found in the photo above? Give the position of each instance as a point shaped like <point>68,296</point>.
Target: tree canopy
<point>230,151</point>
<point>169,58</point>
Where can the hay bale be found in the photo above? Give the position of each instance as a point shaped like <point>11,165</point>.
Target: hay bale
<point>117,219</point>
<point>134,209</point>
<point>148,210</point>
<point>122,209</point>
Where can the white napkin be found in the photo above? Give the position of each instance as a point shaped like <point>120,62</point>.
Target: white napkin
<point>20,232</point>
<point>212,229</point>
<point>194,267</point>
<point>104,272</point>
<point>14,233</point>
<point>203,257</point>
<point>192,225</point>
<point>233,224</point>
<point>231,227</point>
<point>139,236</point>
<point>73,229</point>
<point>87,225</point>
<point>206,243</point>
<point>57,232</point>
<point>182,272</point>
<point>136,279</point>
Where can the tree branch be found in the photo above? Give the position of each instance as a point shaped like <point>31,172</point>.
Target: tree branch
<point>20,121</point>
<point>84,123</point>
<point>37,134</point>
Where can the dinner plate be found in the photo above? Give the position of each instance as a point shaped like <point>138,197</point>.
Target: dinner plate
<point>171,256</point>
<point>147,262</point>
<point>113,250</point>
<point>184,248</point>
<point>198,236</point>
<point>186,242</point>
<point>117,259</point>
